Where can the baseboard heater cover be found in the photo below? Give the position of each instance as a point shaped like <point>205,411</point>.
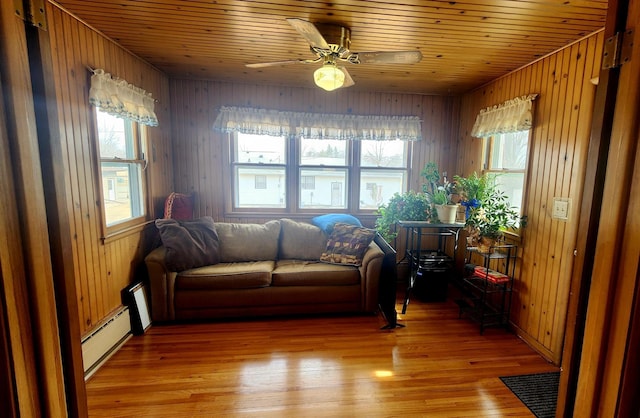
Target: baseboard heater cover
<point>98,346</point>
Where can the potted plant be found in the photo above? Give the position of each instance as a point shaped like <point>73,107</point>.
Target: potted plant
<point>408,206</point>
<point>441,194</point>
<point>473,190</point>
<point>488,220</point>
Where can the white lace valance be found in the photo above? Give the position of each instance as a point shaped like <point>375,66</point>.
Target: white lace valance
<point>119,98</point>
<point>511,116</point>
<point>317,125</point>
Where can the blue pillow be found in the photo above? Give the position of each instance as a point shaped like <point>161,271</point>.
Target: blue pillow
<point>326,222</point>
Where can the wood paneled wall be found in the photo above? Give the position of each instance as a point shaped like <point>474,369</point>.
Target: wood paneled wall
<point>198,150</point>
<point>102,269</point>
<point>558,150</point>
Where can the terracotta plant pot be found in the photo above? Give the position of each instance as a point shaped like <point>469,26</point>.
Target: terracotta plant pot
<point>485,245</point>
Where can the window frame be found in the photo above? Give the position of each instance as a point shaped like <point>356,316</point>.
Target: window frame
<point>138,135</point>
<point>488,150</point>
<point>293,168</point>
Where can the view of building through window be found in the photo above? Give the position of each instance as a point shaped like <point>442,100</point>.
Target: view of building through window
<point>121,168</point>
<point>325,172</point>
<point>506,156</point>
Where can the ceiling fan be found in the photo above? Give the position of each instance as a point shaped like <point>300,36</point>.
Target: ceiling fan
<point>331,44</point>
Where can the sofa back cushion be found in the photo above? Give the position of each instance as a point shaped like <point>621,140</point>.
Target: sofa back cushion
<point>301,241</point>
<point>248,242</point>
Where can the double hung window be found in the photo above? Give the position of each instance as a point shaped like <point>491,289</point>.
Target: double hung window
<point>122,182</point>
<point>315,174</point>
<point>506,155</point>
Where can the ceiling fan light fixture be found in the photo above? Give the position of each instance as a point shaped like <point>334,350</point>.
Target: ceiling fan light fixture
<point>329,77</point>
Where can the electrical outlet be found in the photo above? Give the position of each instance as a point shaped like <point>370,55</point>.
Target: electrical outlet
<point>561,207</point>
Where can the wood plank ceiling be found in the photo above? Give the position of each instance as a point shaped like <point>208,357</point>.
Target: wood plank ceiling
<point>464,43</point>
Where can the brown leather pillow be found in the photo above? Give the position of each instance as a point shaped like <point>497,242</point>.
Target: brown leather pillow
<point>189,243</point>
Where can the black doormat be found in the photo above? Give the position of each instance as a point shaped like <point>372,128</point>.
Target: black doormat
<point>538,392</point>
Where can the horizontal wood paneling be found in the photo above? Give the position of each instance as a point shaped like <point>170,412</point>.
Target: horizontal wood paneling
<point>101,270</point>
<point>198,151</point>
<point>558,148</point>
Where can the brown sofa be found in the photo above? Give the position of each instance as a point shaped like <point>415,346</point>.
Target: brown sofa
<point>264,269</point>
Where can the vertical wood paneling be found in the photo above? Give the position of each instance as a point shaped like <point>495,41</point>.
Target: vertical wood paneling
<point>559,141</point>
<point>198,159</point>
<point>102,270</point>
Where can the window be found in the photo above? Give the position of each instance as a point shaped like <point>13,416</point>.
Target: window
<point>121,168</point>
<point>261,182</point>
<point>506,155</point>
<point>308,182</point>
<point>383,171</point>
<point>314,174</point>
<point>257,156</point>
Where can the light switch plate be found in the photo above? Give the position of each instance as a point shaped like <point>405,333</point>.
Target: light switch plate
<point>561,207</point>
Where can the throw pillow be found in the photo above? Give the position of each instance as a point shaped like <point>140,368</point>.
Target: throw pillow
<point>189,243</point>
<point>178,206</point>
<point>326,222</point>
<point>347,244</point>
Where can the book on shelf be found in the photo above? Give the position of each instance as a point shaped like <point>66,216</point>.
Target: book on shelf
<point>490,275</point>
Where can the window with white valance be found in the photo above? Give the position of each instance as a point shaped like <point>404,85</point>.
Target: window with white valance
<point>511,116</point>
<point>317,125</point>
<point>120,112</point>
<point>505,130</point>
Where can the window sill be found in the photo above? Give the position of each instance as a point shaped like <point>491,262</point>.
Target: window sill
<point>129,230</point>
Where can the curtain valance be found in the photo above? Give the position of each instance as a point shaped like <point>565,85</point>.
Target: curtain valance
<point>317,125</point>
<point>511,116</point>
<point>119,98</point>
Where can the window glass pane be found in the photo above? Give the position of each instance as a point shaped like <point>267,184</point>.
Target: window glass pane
<point>512,184</point>
<point>323,152</point>
<point>377,186</point>
<point>509,151</point>
<point>122,191</point>
<point>329,191</point>
<point>261,149</point>
<point>249,190</point>
<point>383,153</point>
<point>116,139</point>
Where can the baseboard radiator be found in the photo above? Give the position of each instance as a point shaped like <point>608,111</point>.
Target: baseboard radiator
<point>105,340</point>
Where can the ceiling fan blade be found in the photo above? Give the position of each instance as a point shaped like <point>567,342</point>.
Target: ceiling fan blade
<point>309,32</point>
<point>348,81</point>
<point>392,57</point>
<point>276,63</point>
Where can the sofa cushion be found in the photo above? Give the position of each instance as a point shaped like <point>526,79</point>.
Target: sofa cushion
<point>247,275</point>
<point>347,244</point>
<point>301,241</point>
<point>248,242</point>
<point>326,222</point>
<point>313,273</point>
<point>189,243</point>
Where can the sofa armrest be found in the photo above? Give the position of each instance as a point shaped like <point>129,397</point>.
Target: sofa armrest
<point>370,277</point>
<point>162,284</point>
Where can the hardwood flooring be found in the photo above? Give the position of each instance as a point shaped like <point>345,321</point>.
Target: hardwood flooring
<point>337,366</point>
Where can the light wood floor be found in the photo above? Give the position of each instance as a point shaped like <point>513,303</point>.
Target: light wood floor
<point>438,366</point>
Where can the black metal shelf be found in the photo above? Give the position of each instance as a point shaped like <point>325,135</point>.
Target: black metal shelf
<point>487,300</point>
<point>415,231</point>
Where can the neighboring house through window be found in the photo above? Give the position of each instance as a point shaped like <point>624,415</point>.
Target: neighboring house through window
<point>120,145</point>
<point>506,155</point>
<point>316,174</point>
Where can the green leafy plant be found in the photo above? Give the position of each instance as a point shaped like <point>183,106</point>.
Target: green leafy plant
<point>474,187</point>
<point>409,206</point>
<point>439,193</point>
<point>492,216</point>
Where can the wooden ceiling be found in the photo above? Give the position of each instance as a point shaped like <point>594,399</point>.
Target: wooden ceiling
<point>464,44</point>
